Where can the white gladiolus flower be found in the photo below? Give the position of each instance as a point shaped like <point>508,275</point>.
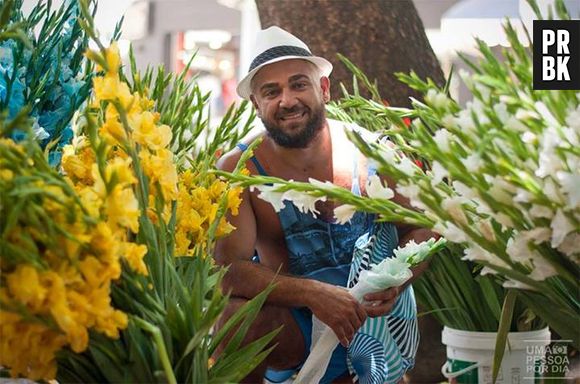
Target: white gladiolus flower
<point>549,163</point>
<point>500,194</point>
<point>573,118</point>
<point>390,272</point>
<point>475,253</point>
<point>464,190</point>
<point>488,271</point>
<point>344,213</point>
<point>439,173</point>
<point>437,99</point>
<point>523,196</point>
<point>479,109</point>
<point>322,185</point>
<point>529,137</point>
<point>413,253</point>
<point>303,201</point>
<point>465,121</point>
<point>386,151</point>
<point>450,231</point>
<point>552,191</point>
<point>530,164</point>
<point>442,138</point>
<point>270,195</point>
<point>501,111</point>
<point>571,186</point>
<point>448,121</point>
<point>524,114</point>
<point>542,269</point>
<point>515,284</point>
<point>486,229</point>
<point>504,220</point>
<point>561,226</point>
<point>546,114</point>
<point>551,139</point>
<point>570,244</point>
<point>407,166</point>
<point>453,206</point>
<point>514,124</point>
<point>571,135</point>
<point>376,190</point>
<point>505,184</point>
<point>540,211</point>
<point>473,162</point>
<point>481,207</point>
<point>518,248</point>
<point>409,250</point>
<point>411,192</point>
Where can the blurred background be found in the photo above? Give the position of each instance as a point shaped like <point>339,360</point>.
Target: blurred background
<point>220,32</point>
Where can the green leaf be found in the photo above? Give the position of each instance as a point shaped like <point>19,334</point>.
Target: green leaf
<point>245,315</point>
<point>503,330</point>
<point>235,366</point>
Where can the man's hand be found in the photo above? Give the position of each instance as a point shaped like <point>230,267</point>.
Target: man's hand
<point>380,303</point>
<point>338,309</point>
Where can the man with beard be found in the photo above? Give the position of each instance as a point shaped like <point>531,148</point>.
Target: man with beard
<point>307,256</point>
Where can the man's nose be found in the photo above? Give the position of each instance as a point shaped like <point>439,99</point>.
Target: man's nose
<point>287,99</point>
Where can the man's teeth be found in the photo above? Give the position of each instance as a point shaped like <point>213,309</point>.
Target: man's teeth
<point>292,116</point>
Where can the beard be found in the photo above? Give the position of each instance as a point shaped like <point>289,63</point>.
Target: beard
<point>303,136</point>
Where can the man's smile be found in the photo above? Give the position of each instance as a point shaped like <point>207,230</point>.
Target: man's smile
<point>293,116</point>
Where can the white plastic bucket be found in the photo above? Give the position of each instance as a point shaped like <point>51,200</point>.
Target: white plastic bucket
<point>470,356</point>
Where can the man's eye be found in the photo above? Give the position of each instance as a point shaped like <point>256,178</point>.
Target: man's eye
<point>270,93</point>
<point>299,85</point>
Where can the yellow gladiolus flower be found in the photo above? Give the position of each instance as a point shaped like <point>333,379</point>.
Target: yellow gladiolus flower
<point>79,164</point>
<point>122,209</point>
<point>147,133</point>
<point>134,254</point>
<point>113,131</point>
<point>25,287</point>
<point>160,168</point>
<point>234,200</point>
<point>113,58</point>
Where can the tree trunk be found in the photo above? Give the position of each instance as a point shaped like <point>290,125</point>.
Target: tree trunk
<point>380,37</point>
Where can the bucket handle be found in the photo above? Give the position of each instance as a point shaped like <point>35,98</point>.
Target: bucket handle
<point>452,375</point>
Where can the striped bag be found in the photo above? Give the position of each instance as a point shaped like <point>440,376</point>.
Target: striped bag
<point>384,347</point>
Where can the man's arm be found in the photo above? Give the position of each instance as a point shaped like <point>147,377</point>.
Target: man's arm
<point>333,305</point>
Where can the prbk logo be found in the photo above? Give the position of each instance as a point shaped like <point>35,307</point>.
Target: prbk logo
<point>557,54</point>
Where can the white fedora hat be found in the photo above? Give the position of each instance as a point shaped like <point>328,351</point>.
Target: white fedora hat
<point>275,44</point>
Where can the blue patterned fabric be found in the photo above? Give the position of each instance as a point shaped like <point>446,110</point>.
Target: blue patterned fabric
<point>384,347</point>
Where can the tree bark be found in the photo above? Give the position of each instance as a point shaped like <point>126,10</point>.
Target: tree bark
<point>380,37</point>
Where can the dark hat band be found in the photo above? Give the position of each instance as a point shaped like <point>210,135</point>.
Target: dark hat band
<point>275,52</point>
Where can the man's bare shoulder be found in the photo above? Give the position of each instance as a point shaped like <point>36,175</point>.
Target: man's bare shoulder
<point>230,159</point>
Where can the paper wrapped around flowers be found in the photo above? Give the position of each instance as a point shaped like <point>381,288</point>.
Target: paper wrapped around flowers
<point>391,272</point>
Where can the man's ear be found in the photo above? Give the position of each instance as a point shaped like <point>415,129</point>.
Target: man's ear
<point>325,86</point>
<point>255,104</point>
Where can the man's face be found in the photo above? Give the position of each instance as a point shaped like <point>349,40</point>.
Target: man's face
<point>289,97</point>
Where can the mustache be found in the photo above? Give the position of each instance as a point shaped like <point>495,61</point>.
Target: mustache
<point>288,111</point>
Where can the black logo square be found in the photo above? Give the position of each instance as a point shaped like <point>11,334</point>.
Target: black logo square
<point>557,54</point>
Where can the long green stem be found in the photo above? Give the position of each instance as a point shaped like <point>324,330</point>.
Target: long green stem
<point>162,351</point>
